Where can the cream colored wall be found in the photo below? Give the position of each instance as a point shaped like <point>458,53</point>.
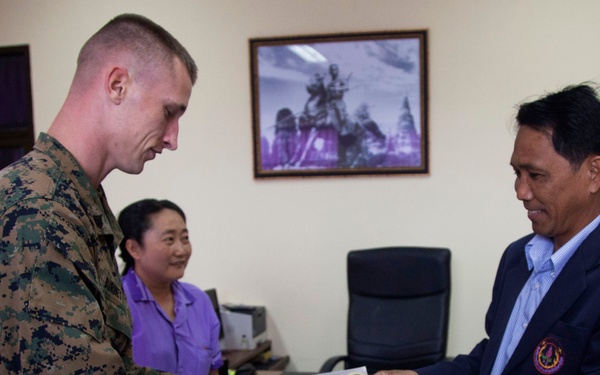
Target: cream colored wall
<point>282,243</point>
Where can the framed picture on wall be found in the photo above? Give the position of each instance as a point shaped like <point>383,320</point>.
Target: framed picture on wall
<point>343,104</point>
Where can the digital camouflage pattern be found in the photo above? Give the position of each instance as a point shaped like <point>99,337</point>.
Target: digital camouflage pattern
<point>62,307</point>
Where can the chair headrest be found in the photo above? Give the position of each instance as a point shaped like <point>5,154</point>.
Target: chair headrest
<point>399,271</point>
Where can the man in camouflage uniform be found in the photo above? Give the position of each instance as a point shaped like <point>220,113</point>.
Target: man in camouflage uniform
<point>62,308</point>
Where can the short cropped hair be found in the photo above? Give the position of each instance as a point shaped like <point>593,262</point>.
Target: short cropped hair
<point>135,220</point>
<point>572,118</point>
<point>147,41</point>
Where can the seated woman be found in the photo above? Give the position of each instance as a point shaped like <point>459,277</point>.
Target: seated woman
<point>175,327</point>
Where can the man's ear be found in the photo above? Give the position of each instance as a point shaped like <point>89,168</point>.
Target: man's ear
<point>117,83</point>
<point>594,172</point>
<point>133,248</point>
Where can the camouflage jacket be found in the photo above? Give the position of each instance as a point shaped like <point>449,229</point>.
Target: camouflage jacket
<point>62,307</point>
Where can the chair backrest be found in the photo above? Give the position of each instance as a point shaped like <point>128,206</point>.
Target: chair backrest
<point>399,307</point>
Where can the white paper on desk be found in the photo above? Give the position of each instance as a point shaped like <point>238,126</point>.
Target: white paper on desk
<point>350,371</point>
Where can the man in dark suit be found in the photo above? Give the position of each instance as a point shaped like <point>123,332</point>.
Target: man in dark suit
<point>545,312</point>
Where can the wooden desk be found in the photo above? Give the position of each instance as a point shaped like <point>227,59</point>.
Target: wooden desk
<point>260,357</point>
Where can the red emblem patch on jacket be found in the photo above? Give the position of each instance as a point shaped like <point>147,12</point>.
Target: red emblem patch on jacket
<point>549,356</point>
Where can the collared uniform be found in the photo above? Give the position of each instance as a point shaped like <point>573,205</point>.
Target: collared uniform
<point>62,307</point>
<point>189,345</point>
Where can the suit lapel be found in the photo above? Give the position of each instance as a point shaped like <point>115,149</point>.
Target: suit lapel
<point>565,290</point>
<point>516,276</point>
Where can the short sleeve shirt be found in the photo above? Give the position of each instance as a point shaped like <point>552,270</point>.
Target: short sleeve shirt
<point>189,345</point>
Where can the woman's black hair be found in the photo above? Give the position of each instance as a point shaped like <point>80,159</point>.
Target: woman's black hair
<point>135,220</point>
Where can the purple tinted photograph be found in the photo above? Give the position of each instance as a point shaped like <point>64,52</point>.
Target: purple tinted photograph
<point>344,104</point>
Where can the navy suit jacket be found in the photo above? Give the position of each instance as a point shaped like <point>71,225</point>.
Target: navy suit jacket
<point>563,336</point>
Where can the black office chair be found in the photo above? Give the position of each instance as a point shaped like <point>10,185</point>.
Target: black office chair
<point>399,308</point>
